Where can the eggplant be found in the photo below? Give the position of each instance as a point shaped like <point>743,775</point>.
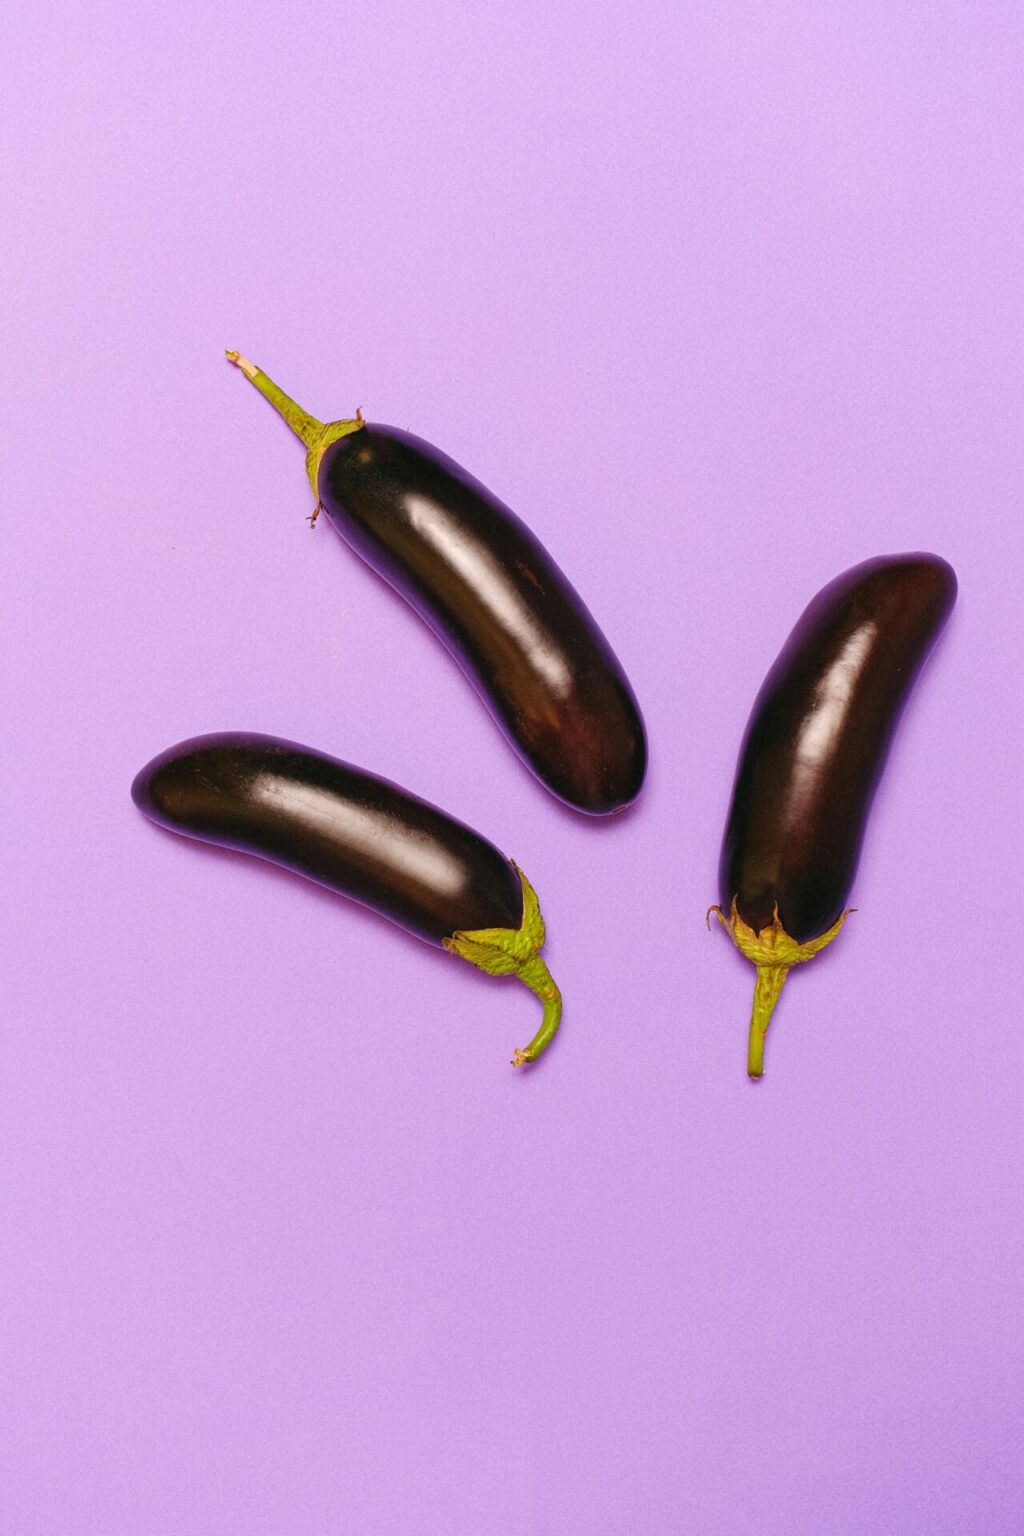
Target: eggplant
<point>814,751</point>
<point>365,837</point>
<point>490,591</point>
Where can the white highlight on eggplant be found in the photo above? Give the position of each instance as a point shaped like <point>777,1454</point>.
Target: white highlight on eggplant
<point>832,700</point>
<point>363,829</point>
<point>484,577</point>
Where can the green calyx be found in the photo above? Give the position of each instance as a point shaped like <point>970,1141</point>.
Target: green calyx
<point>516,952</point>
<point>774,953</point>
<point>316,435</point>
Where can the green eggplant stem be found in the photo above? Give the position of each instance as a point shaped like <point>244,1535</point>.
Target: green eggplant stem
<point>774,952</point>
<point>535,975</point>
<point>767,989</point>
<point>516,952</point>
<point>316,436</point>
<point>306,427</point>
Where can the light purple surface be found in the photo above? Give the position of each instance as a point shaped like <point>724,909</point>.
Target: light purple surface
<point>722,298</point>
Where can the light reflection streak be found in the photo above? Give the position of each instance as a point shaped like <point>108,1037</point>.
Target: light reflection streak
<point>820,727</point>
<point>359,827</point>
<point>482,573</point>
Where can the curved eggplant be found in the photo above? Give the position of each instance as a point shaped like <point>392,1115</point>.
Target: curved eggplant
<point>813,753</point>
<point>364,837</point>
<point>488,588</point>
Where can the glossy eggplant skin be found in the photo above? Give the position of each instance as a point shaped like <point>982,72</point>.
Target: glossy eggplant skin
<point>818,738</point>
<point>342,827</point>
<point>488,588</point>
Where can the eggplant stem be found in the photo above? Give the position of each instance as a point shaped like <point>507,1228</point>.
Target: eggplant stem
<point>767,990</point>
<point>773,951</point>
<point>516,952</point>
<point>306,427</point>
<point>316,436</point>
<point>534,974</point>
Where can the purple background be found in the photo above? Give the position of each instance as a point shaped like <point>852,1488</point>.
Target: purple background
<point>723,302</point>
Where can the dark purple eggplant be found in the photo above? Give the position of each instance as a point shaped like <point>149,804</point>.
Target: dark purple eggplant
<point>813,753</point>
<point>363,836</point>
<point>489,589</point>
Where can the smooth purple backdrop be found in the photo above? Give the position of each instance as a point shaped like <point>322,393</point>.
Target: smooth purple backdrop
<point>723,298</point>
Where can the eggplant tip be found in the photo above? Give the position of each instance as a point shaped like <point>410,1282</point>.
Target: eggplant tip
<point>140,789</point>
<point>249,369</point>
